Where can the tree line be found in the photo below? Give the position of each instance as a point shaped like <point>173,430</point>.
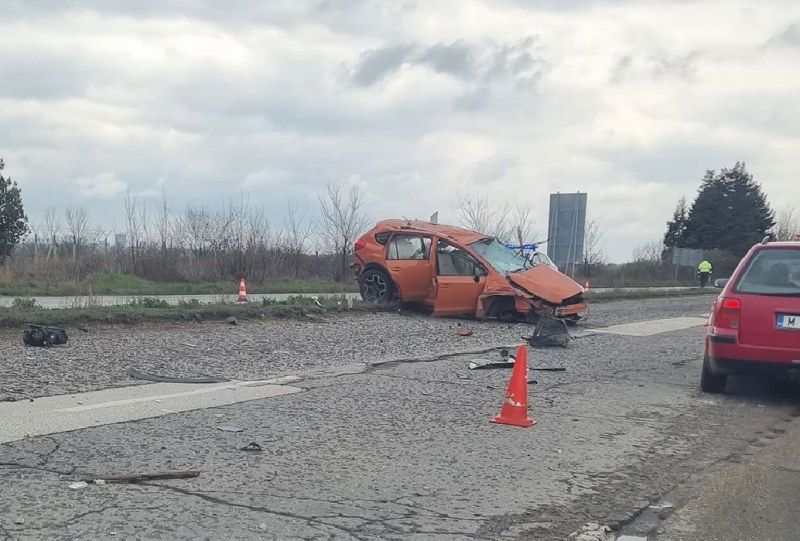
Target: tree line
<point>729,214</point>
<point>196,244</point>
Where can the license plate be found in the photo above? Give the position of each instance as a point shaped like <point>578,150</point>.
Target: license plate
<point>786,321</point>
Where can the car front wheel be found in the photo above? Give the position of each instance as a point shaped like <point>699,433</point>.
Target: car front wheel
<point>711,383</point>
<point>376,287</point>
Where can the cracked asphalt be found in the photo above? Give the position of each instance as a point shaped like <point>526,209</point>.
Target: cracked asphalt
<point>390,438</point>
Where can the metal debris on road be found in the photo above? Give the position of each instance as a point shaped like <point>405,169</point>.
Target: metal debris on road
<point>135,373</point>
<point>252,447</point>
<point>44,336</point>
<point>230,428</point>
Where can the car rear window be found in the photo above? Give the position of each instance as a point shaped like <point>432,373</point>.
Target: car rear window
<point>773,271</point>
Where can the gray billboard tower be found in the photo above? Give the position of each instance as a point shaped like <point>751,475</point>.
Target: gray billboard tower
<point>566,229</point>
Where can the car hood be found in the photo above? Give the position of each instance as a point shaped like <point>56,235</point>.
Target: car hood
<point>546,283</point>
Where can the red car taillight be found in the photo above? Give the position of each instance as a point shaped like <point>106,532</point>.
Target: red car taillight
<point>360,243</point>
<point>728,314</point>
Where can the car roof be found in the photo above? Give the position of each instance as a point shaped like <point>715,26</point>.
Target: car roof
<point>457,234</point>
<point>780,244</point>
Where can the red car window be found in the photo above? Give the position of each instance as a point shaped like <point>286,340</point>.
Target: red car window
<point>774,271</point>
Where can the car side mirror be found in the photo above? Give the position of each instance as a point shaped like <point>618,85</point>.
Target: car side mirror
<point>721,282</point>
<point>478,273</point>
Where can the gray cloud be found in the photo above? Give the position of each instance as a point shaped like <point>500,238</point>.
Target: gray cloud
<point>790,36</point>
<point>375,65</point>
<point>656,65</point>
<point>480,65</point>
<point>456,59</point>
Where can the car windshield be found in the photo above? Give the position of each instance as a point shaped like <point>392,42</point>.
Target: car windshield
<point>774,271</point>
<point>502,258</point>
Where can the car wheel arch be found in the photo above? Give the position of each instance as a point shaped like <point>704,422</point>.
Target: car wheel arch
<point>398,293</point>
<point>494,305</point>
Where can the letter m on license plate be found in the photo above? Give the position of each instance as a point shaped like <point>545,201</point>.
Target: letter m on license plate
<point>786,321</point>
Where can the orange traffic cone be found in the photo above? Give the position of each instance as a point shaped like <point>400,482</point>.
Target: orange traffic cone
<point>515,409</point>
<point>242,291</point>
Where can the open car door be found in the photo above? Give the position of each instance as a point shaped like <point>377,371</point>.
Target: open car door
<point>408,261</point>
<point>459,281</point>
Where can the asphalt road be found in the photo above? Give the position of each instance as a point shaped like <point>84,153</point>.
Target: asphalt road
<point>389,437</point>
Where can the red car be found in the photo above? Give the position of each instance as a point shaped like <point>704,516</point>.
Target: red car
<point>754,324</point>
<point>455,271</point>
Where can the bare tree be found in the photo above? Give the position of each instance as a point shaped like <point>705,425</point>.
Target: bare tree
<point>164,227</point>
<point>297,230</point>
<point>342,219</point>
<point>521,224</point>
<point>593,250</point>
<point>649,252</point>
<point>79,231</point>
<point>53,231</point>
<point>132,229</point>
<point>477,211</point>
<point>787,225</point>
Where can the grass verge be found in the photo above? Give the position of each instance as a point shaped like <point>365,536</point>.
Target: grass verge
<point>152,309</point>
<point>125,284</point>
<point>653,294</point>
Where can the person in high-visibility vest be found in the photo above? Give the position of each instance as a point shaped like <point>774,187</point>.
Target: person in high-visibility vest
<point>704,271</point>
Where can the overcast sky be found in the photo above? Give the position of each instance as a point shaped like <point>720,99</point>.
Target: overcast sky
<point>630,101</point>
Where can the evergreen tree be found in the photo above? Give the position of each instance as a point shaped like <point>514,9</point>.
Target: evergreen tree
<point>730,213</point>
<point>13,222</point>
<point>676,228</point>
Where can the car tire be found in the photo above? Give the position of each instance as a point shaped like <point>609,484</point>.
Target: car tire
<point>712,383</point>
<point>376,287</point>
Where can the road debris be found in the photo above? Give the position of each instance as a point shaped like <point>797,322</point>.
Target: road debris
<point>135,373</point>
<point>139,477</point>
<point>19,521</point>
<point>230,428</point>
<point>44,336</point>
<point>78,485</point>
<point>592,532</point>
<point>464,332</point>
<point>230,320</point>
<point>508,362</point>
<point>252,447</point>
<point>549,332</point>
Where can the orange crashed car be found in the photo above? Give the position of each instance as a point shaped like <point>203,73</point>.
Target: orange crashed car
<point>459,272</point>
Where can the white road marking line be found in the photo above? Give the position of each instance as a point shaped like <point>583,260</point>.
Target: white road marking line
<point>655,326</point>
<point>53,414</point>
